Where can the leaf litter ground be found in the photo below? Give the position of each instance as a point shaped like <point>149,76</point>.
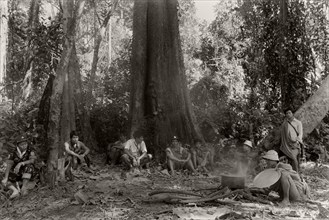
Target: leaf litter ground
<point>111,193</point>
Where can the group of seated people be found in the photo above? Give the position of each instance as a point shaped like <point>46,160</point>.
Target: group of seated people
<point>20,169</point>
<point>133,154</point>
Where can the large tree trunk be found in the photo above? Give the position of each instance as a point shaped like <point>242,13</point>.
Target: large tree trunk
<point>66,96</point>
<point>3,41</point>
<point>159,97</point>
<point>310,114</point>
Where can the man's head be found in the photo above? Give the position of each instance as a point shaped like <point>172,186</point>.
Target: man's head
<point>122,138</point>
<point>74,137</point>
<point>175,141</point>
<point>271,157</point>
<point>22,143</point>
<point>247,146</point>
<point>138,136</point>
<point>289,113</point>
<point>197,143</point>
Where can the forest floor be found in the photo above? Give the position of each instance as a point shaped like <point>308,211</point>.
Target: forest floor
<point>111,193</point>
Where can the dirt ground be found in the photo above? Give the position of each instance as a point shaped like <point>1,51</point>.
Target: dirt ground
<point>111,193</point>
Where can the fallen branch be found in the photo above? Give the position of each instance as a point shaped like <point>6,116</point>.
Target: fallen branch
<point>206,189</point>
<point>169,198</point>
<point>174,191</point>
<point>250,197</point>
<point>163,211</point>
<point>207,199</point>
<point>221,191</point>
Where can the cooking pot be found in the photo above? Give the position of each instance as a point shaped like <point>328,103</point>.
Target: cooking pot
<point>233,181</point>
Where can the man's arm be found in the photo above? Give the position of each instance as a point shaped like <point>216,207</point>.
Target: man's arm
<point>127,150</point>
<point>188,157</point>
<point>23,163</point>
<point>144,151</point>
<point>300,131</point>
<point>31,160</point>
<point>172,157</point>
<point>10,164</point>
<point>86,149</point>
<point>67,149</point>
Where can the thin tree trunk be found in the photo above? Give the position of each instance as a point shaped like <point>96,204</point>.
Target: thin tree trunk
<point>110,43</point>
<point>98,39</point>
<point>283,59</point>
<point>3,41</point>
<point>159,92</point>
<point>29,56</point>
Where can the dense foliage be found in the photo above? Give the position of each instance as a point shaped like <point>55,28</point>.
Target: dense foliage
<point>243,68</point>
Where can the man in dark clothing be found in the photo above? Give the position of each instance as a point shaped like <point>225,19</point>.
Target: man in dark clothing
<point>20,167</point>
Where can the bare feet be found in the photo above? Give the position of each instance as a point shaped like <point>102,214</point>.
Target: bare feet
<point>24,192</point>
<point>14,194</point>
<point>284,203</point>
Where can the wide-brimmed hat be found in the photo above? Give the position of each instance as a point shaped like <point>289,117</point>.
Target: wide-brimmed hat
<point>271,155</point>
<point>248,143</point>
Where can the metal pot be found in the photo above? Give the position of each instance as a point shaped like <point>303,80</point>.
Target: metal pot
<point>233,181</point>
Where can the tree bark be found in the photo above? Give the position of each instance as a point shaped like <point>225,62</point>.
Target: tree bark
<point>159,95</point>
<point>29,56</point>
<point>3,41</point>
<point>66,93</point>
<point>283,58</point>
<point>100,33</point>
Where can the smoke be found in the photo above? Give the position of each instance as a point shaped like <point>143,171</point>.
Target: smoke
<point>241,168</point>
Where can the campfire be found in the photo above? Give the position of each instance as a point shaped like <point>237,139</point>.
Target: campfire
<point>236,179</point>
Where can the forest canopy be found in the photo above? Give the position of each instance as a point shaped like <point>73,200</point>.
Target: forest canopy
<point>242,69</point>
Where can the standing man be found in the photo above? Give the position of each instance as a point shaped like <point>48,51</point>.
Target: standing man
<point>77,151</point>
<point>291,138</point>
<point>20,167</point>
<point>135,152</point>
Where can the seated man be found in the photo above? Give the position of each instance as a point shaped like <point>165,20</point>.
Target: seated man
<point>202,156</point>
<point>115,150</point>
<point>290,186</point>
<point>245,159</point>
<point>178,157</point>
<point>20,167</point>
<point>76,151</point>
<point>135,152</point>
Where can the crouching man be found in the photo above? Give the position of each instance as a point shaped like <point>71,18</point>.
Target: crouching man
<point>178,157</point>
<point>290,186</point>
<point>115,151</point>
<point>135,152</point>
<point>20,168</point>
<point>202,155</point>
<point>77,152</point>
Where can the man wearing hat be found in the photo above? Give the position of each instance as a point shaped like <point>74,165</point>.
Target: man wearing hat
<point>243,159</point>
<point>247,146</point>
<point>178,157</point>
<point>20,167</point>
<point>289,185</point>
